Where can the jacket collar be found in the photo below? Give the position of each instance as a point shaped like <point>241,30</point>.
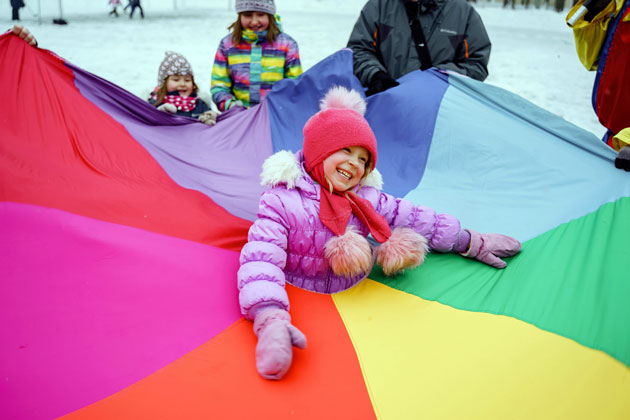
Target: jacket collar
<point>422,6</point>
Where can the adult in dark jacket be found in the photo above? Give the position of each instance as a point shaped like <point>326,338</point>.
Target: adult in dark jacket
<point>384,47</point>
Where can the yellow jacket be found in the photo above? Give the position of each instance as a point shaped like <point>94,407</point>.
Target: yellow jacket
<point>590,36</point>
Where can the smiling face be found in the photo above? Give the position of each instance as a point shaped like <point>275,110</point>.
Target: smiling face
<point>182,84</point>
<point>345,168</point>
<point>255,21</point>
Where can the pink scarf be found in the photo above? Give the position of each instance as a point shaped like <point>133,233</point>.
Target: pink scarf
<point>335,209</point>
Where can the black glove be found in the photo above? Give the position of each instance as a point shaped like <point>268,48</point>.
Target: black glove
<point>594,7</point>
<point>623,159</point>
<point>380,82</point>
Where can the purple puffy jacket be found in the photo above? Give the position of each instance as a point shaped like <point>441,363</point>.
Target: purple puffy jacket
<point>286,242</point>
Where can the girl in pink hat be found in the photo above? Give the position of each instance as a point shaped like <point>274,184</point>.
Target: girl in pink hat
<point>314,220</point>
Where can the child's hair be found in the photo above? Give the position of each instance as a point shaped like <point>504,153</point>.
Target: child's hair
<point>237,29</point>
<point>161,92</point>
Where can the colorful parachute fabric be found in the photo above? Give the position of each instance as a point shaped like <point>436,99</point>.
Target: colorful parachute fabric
<point>120,228</point>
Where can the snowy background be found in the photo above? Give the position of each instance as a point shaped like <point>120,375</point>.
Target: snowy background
<point>533,53</point>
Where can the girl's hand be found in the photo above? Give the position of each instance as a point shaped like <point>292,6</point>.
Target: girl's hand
<point>488,247</point>
<point>208,118</point>
<point>168,108</point>
<point>276,338</point>
<point>25,34</point>
<point>623,159</point>
<point>237,104</point>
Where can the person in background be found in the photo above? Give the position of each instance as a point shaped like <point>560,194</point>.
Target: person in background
<point>134,4</point>
<point>601,29</point>
<point>176,92</point>
<point>254,56</point>
<point>16,5</point>
<point>114,4</point>
<point>313,222</point>
<point>394,37</point>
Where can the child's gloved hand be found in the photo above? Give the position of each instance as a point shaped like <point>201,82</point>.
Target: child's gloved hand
<point>622,161</point>
<point>168,108</point>
<point>25,34</point>
<point>380,82</point>
<point>209,117</point>
<point>276,338</point>
<point>595,7</point>
<point>488,247</point>
<point>236,103</point>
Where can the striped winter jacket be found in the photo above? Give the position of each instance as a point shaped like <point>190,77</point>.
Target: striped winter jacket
<point>248,70</point>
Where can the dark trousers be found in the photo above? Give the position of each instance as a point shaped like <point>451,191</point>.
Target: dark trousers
<point>16,13</point>
<point>133,9</point>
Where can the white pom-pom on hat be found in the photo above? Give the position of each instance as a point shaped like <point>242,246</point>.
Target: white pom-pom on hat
<point>344,98</point>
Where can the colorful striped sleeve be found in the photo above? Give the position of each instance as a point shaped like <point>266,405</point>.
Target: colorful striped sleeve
<point>292,65</point>
<point>221,84</point>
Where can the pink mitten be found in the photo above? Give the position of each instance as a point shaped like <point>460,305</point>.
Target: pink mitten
<point>488,247</point>
<point>276,338</point>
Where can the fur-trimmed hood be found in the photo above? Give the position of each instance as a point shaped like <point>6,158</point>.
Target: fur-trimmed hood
<point>285,167</point>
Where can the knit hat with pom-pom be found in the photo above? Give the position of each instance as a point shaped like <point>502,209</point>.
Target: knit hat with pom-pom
<point>338,124</point>
<point>173,64</point>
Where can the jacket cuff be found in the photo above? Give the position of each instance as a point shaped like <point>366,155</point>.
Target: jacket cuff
<point>262,306</point>
<point>463,241</point>
<point>267,316</point>
<point>475,244</point>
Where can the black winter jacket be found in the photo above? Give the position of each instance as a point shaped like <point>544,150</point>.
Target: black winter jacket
<point>456,38</point>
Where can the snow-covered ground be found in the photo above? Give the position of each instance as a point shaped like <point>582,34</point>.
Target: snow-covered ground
<point>533,53</point>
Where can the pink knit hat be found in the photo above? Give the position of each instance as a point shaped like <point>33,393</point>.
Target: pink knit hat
<point>339,124</point>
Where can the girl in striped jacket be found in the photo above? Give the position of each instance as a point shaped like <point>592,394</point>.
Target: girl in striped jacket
<point>254,56</point>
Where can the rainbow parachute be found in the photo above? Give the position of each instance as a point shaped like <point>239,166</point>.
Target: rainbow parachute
<point>120,228</point>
